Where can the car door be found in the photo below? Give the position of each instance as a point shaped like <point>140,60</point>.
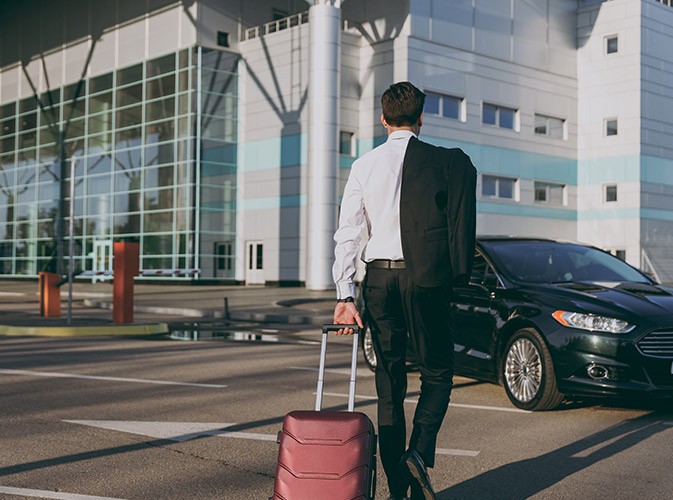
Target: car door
<point>474,322</point>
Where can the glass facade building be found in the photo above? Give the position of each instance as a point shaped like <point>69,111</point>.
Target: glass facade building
<point>154,150</point>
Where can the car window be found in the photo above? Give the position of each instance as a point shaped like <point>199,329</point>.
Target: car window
<point>482,272</point>
<point>554,262</point>
<point>478,269</point>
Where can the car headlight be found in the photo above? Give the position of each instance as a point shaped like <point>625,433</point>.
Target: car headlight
<point>592,322</point>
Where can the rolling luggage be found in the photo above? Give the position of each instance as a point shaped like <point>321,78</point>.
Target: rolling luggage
<point>327,455</point>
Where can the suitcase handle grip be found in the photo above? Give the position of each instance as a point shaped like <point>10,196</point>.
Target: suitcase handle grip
<point>335,327</point>
<point>321,370</point>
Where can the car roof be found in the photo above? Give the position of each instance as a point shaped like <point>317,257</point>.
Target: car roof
<point>484,238</point>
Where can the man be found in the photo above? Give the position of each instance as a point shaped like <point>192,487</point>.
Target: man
<point>414,203</point>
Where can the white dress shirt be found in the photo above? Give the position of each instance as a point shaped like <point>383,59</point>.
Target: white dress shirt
<point>370,211</point>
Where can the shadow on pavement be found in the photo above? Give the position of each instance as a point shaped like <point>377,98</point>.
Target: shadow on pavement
<point>529,477</point>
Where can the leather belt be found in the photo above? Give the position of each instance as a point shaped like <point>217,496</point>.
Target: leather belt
<point>386,264</point>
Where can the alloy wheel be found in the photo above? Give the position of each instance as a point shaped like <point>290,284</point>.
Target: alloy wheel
<point>523,370</point>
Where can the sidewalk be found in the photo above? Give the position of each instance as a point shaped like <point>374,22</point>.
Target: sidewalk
<point>157,305</point>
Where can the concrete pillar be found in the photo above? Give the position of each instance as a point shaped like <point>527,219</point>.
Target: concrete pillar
<point>323,93</point>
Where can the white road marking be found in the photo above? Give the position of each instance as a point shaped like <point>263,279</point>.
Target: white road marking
<point>451,405</point>
<point>113,379</point>
<point>491,408</point>
<point>174,431</point>
<point>458,453</point>
<point>256,436</point>
<point>26,492</point>
<point>185,431</point>
<point>12,294</point>
<point>341,371</point>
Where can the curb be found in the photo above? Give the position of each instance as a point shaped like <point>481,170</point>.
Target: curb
<point>83,331</point>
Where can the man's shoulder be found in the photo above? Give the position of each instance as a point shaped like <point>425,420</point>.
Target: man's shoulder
<point>370,156</point>
<point>439,150</point>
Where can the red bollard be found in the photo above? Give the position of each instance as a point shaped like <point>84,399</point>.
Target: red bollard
<point>49,294</point>
<point>126,265</point>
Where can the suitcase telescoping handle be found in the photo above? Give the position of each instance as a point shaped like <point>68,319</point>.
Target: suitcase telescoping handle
<point>354,360</point>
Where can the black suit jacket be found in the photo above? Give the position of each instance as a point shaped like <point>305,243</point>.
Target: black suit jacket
<point>437,214</point>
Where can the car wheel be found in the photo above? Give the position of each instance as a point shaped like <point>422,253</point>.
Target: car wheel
<point>528,373</point>
<point>368,348</point>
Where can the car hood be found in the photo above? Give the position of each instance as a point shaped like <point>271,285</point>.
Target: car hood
<point>641,299</point>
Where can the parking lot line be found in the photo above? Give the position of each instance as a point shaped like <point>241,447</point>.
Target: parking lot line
<point>27,492</point>
<point>451,405</point>
<point>362,373</point>
<point>112,379</point>
<point>186,431</point>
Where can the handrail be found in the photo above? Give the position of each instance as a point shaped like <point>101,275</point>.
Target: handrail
<point>275,26</point>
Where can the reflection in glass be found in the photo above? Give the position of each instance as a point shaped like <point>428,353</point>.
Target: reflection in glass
<point>160,131</point>
<point>128,117</point>
<point>161,65</point>
<point>160,87</point>
<point>156,222</point>
<point>128,138</point>
<point>7,127</point>
<point>159,199</point>
<point>100,103</point>
<point>100,83</point>
<point>100,123</point>
<point>159,176</point>
<point>25,105</point>
<point>158,244</point>
<point>99,164</point>
<point>157,110</point>
<point>489,114</point>
<point>98,184</point>
<point>129,95</point>
<point>130,74</point>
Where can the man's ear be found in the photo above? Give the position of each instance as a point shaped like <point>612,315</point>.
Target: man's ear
<point>383,121</point>
<point>420,120</point>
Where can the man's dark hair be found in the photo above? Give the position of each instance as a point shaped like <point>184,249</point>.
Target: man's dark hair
<point>402,104</point>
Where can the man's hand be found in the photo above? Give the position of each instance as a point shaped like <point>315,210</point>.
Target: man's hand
<point>345,313</point>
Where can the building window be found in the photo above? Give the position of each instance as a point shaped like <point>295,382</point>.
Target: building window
<point>549,192</point>
<point>666,2</point>
<point>550,126</point>
<point>611,126</point>
<point>610,193</point>
<point>346,143</point>
<point>619,253</point>
<point>493,186</point>
<point>223,39</point>
<point>444,105</point>
<point>611,44</point>
<point>224,252</point>
<point>500,116</point>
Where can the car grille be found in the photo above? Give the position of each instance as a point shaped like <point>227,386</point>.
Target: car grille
<point>657,343</point>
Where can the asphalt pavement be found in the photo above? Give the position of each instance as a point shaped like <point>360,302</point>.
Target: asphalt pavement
<point>156,305</point>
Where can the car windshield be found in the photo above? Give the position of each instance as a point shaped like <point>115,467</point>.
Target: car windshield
<point>552,262</point>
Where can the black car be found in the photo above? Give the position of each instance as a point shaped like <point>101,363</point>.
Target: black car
<point>548,319</point>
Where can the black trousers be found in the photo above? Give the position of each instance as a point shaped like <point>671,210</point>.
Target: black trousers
<point>400,312</point>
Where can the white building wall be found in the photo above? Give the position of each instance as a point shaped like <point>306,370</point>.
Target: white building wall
<point>609,87</point>
<point>656,189</point>
<point>273,147</point>
<point>516,54</point>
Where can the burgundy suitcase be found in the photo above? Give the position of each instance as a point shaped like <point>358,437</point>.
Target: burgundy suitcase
<point>327,455</point>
